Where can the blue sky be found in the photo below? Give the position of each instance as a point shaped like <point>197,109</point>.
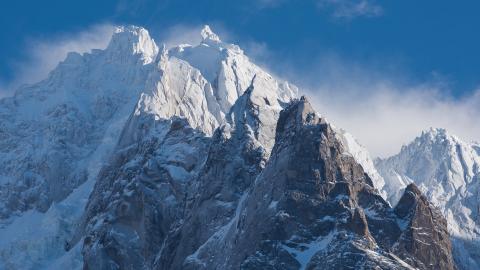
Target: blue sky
<point>366,49</point>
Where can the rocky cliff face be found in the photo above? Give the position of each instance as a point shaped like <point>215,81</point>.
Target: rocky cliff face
<point>311,207</point>
<point>425,237</point>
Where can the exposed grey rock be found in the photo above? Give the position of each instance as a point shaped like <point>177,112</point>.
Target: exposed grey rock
<point>311,207</point>
<point>424,242</point>
<point>237,154</point>
<point>140,195</point>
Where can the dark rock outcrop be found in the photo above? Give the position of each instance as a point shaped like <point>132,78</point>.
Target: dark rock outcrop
<point>424,242</point>
<point>140,195</point>
<point>311,207</point>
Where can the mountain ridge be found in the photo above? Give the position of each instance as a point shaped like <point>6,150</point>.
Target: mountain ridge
<point>179,139</point>
<point>446,169</point>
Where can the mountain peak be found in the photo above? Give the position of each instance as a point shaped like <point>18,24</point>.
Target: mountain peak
<point>435,133</point>
<point>133,40</point>
<point>439,136</point>
<point>413,188</point>
<point>208,34</point>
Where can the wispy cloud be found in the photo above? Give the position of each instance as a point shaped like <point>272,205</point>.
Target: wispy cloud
<point>387,116</point>
<point>44,54</point>
<point>350,9</point>
<point>384,108</point>
<point>269,3</point>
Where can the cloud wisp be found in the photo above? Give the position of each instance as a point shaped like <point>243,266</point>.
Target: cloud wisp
<point>44,55</point>
<point>385,117</point>
<point>385,111</point>
<point>384,108</point>
<point>350,9</point>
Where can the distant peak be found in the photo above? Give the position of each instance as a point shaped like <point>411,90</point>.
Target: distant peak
<point>208,34</point>
<point>434,132</point>
<point>129,28</point>
<point>437,135</point>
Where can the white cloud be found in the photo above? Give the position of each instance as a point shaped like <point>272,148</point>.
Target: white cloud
<point>385,113</point>
<point>350,9</point>
<point>388,117</point>
<point>43,55</point>
<point>378,102</point>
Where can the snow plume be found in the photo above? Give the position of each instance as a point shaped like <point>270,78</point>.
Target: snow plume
<point>44,54</point>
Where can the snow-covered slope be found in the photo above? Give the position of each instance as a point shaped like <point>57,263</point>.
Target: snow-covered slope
<point>447,170</point>
<point>55,137</point>
<point>362,156</point>
<point>58,133</point>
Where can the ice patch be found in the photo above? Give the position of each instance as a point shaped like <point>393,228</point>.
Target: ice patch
<point>305,252</point>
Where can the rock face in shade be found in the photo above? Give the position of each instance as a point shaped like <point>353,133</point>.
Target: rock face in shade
<point>139,196</point>
<point>447,170</point>
<point>310,207</point>
<point>425,236</point>
<point>193,158</point>
<point>253,117</point>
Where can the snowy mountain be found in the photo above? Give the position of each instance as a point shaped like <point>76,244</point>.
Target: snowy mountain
<point>59,133</point>
<point>447,171</point>
<point>142,157</point>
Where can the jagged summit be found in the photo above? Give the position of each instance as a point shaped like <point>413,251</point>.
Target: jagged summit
<point>133,40</point>
<point>413,189</point>
<point>208,34</point>
<point>438,135</point>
